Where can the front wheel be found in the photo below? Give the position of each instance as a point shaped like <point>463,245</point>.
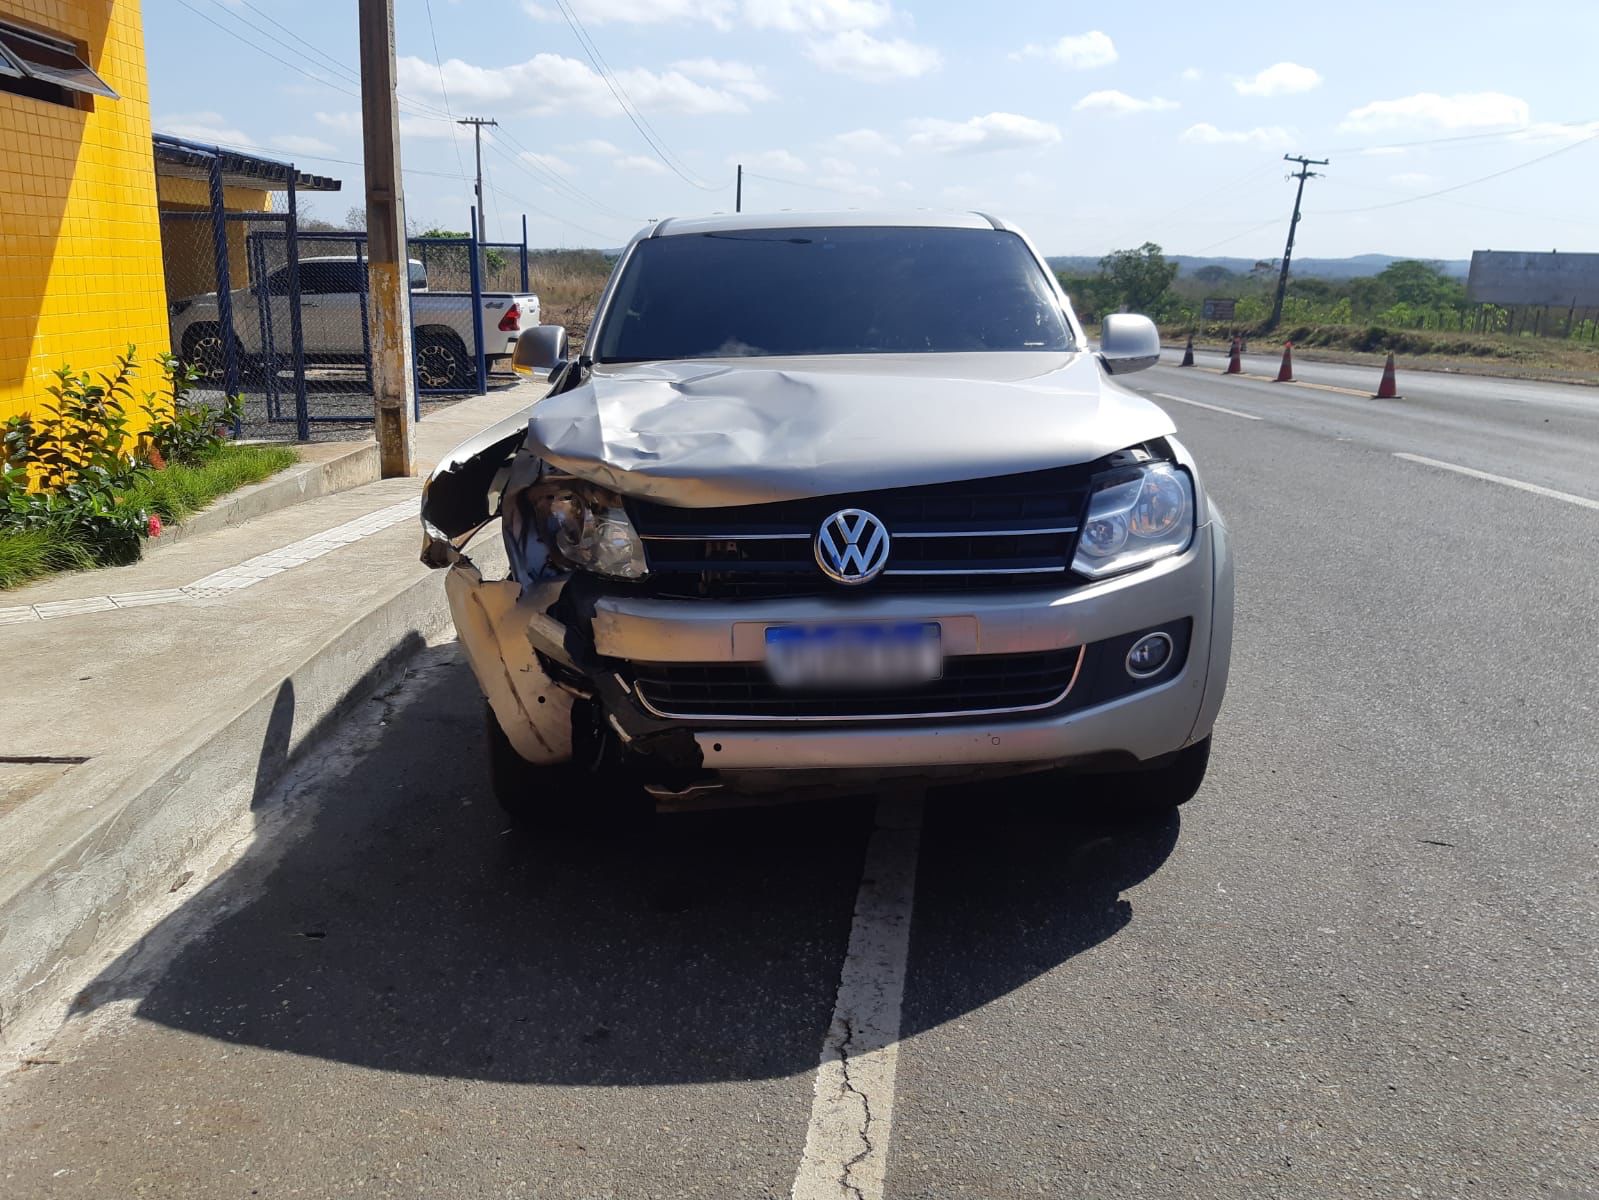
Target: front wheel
<point>1150,795</point>
<point>563,799</point>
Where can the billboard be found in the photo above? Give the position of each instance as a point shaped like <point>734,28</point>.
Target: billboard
<point>1552,280</point>
<point>1222,309</point>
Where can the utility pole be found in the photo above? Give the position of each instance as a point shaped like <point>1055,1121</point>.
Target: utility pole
<point>738,191</point>
<point>477,124</point>
<point>1303,174</point>
<point>393,370</point>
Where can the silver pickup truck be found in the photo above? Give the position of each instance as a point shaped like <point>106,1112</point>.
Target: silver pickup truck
<point>830,500</point>
<point>332,325</point>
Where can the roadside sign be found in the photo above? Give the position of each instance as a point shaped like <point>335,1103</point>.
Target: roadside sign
<point>1218,309</point>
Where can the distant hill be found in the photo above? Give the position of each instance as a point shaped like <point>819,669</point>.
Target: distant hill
<point>1317,268</point>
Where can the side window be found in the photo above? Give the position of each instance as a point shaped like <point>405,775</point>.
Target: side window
<point>419,277</point>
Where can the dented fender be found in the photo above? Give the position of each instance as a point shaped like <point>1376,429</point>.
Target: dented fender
<point>503,631</point>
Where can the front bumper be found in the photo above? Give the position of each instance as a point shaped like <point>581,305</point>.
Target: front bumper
<point>543,677</point>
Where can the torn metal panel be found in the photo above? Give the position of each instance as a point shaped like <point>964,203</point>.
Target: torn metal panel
<point>502,635</point>
<point>706,433</point>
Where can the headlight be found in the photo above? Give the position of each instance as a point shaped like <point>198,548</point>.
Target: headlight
<point>1136,517</point>
<point>588,527</point>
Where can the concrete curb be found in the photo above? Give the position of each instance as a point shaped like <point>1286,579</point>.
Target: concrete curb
<point>67,904</point>
<point>348,468</point>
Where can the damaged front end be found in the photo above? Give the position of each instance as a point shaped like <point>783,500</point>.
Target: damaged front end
<point>527,636</point>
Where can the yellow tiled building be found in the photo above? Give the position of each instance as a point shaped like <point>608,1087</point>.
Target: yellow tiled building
<point>80,240</point>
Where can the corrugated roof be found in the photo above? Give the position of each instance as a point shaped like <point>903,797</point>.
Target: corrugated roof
<point>178,159</point>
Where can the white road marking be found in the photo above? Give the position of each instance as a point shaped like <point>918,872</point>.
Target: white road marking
<point>229,580</point>
<point>852,1114</point>
<point>1231,412</point>
<point>1536,490</point>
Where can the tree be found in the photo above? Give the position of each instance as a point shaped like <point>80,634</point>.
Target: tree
<point>1213,274</point>
<point>1421,284</point>
<point>1138,279</point>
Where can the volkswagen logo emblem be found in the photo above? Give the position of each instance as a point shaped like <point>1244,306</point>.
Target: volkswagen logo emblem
<point>852,546</point>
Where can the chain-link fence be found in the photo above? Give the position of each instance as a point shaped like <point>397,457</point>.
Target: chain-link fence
<point>282,316</point>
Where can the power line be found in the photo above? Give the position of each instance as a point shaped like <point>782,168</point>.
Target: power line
<point>1493,135</point>
<point>1531,162</point>
<point>551,177</point>
<point>443,91</point>
<point>645,130</point>
<point>1234,237</point>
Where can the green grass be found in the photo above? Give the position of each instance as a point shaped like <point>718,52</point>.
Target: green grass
<point>177,492</point>
<point>182,490</point>
<point>26,555</point>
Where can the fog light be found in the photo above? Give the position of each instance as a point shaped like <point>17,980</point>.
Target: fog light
<point>1149,655</point>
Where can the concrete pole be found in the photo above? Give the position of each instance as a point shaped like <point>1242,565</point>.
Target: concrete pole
<point>393,381</point>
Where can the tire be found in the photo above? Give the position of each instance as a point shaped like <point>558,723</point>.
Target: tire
<point>563,800</point>
<point>1154,794</point>
<point>442,362</point>
<point>202,348</point>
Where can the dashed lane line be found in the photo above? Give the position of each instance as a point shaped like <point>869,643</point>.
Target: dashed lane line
<point>852,1113</point>
<point>1231,412</point>
<point>1535,489</point>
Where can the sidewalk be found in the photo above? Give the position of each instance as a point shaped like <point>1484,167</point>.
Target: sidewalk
<point>153,705</point>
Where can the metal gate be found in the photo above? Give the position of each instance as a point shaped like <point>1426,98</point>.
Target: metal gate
<point>287,325</point>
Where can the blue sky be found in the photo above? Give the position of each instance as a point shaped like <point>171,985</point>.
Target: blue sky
<point>1095,126</point>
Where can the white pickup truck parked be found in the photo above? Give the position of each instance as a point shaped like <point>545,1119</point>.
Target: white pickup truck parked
<point>331,323</point>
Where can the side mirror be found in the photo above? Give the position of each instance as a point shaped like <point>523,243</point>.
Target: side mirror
<point>1128,343</point>
<point>542,348</point>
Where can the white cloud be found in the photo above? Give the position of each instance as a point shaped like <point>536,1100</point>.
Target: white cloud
<point>1411,179</point>
<point>1429,110</point>
<point>1080,51</point>
<point>855,52</point>
<point>1552,131</point>
<point>717,13</point>
<point>1112,101</point>
<point>344,122</point>
<point>817,16</point>
<point>551,83</point>
<point>979,135</point>
<point>1206,134</point>
<point>790,16</point>
<point>1192,75</point>
<point>1029,179</point>
<point>299,143</point>
<point>640,163</point>
<point>734,76</point>
<point>592,146</point>
<point>1279,79</point>
<point>772,160</point>
<point>1382,151</point>
<point>863,141</point>
<point>210,127</point>
<point>549,162</point>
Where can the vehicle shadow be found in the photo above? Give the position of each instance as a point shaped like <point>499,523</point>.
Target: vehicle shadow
<point>404,928</point>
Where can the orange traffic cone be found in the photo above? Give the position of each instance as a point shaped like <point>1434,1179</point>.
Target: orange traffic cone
<point>1388,389</point>
<point>1285,373</point>
<point>1188,354</point>
<point>1235,364</point>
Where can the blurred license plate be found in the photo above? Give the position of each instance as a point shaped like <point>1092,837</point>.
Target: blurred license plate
<point>855,655</point>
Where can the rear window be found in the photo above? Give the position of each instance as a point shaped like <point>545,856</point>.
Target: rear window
<point>761,292</point>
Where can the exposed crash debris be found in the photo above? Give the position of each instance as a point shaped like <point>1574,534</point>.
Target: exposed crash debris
<point>826,502</point>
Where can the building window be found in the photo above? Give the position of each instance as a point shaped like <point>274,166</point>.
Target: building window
<point>46,68</point>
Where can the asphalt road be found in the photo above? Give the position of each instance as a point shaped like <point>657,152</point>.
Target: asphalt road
<point>1361,964</point>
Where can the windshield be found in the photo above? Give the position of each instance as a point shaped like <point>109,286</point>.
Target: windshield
<point>760,292</point>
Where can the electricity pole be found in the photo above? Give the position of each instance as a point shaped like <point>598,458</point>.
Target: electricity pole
<point>477,124</point>
<point>393,376</point>
<point>738,191</point>
<point>1303,174</point>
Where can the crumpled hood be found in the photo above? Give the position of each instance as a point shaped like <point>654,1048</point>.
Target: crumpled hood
<point>748,431</point>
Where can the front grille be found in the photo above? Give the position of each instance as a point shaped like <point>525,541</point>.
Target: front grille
<point>972,685</point>
<point>1006,532</point>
